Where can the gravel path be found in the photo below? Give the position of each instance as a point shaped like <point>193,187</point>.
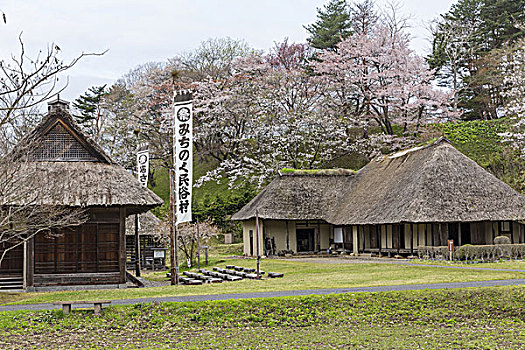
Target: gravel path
<point>192,298</point>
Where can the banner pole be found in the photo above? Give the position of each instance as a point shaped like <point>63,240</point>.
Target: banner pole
<point>174,273</point>
<point>198,246</point>
<point>182,175</point>
<point>257,241</point>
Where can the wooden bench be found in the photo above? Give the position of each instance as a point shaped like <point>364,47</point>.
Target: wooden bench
<point>66,305</point>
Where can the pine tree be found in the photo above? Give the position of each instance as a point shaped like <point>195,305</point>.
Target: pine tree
<point>332,25</point>
<point>92,112</point>
<point>466,40</point>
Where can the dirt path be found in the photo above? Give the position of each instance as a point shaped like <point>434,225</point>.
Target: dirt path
<point>193,298</point>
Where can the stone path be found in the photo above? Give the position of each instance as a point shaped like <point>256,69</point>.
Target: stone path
<point>193,298</point>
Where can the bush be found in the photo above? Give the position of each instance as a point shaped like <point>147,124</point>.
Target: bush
<point>501,240</point>
<point>475,252</point>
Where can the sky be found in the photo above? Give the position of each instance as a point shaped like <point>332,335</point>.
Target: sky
<point>136,32</point>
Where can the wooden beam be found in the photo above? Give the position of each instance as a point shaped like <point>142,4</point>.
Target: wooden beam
<point>354,238</point>
<point>287,236</point>
<point>137,247</point>
<point>318,238</point>
<point>29,264</point>
<point>411,239</point>
<point>122,246</point>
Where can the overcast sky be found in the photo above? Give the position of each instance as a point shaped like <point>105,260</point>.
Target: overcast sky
<point>137,32</point>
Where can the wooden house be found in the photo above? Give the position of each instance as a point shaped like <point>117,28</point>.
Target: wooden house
<point>72,171</point>
<point>423,196</point>
<point>153,242</point>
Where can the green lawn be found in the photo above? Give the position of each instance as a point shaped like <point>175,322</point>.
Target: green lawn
<point>482,318</point>
<point>298,275</point>
<point>503,264</point>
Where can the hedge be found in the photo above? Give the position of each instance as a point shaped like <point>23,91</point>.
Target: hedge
<point>474,252</point>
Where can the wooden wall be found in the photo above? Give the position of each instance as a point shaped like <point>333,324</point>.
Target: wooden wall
<point>407,237</point>
<point>93,253</point>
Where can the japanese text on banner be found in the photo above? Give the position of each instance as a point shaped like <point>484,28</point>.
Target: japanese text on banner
<point>183,159</point>
<point>143,167</point>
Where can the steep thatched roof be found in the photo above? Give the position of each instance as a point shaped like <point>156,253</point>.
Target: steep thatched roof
<point>149,224</point>
<point>436,183</point>
<point>63,166</point>
<point>298,197</point>
<point>84,184</point>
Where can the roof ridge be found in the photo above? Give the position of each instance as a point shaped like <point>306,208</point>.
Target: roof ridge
<point>52,118</point>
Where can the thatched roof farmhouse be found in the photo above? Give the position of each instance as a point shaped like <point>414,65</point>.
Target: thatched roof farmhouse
<point>61,166</point>
<point>421,196</point>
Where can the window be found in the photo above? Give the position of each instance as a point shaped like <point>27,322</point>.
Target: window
<point>59,145</point>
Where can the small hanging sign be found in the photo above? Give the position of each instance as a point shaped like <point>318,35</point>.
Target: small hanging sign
<point>143,167</point>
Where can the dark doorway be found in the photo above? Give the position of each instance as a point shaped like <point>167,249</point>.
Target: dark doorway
<point>251,242</point>
<point>305,239</point>
<point>465,233</point>
<point>398,236</point>
<point>453,233</point>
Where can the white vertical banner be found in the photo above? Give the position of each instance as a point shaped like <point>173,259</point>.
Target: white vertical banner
<point>183,153</point>
<point>143,167</point>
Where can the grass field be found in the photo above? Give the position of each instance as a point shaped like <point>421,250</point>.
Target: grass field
<point>298,275</point>
<point>484,318</point>
<point>502,264</point>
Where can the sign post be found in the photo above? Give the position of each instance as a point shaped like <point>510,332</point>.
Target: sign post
<point>142,173</point>
<point>451,248</point>
<point>257,242</point>
<point>198,246</point>
<point>182,179</point>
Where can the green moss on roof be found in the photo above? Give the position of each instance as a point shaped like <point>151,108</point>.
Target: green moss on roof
<point>290,171</point>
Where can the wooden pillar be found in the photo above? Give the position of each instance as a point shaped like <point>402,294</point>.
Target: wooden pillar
<point>174,251</point>
<point>318,238</point>
<point>355,241</point>
<point>263,229</point>
<point>29,264</point>
<point>287,236</point>
<point>122,246</point>
<point>411,239</point>
<point>378,235</point>
<point>137,248</point>
<point>459,234</point>
<point>400,226</point>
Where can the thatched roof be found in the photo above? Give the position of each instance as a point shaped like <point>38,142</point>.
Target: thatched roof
<point>149,224</point>
<point>298,197</point>
<point>436,183</point>
<point>68,168</point>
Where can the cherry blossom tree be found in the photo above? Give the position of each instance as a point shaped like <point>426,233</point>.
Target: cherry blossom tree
<point>375,77</point>
<point>269,116</point>
<point>513,68</point>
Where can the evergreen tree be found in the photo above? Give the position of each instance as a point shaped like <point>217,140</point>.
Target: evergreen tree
<point>92,112</point>
<point>466,40</point>
<point>332,25</point>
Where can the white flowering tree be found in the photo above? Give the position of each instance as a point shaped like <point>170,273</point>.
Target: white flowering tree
<point>269,115</point>
<point>513,67</point>
<point>374,78</point>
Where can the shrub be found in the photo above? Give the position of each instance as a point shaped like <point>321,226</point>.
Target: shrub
<point>475,252</point>
<point>501,240</point>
